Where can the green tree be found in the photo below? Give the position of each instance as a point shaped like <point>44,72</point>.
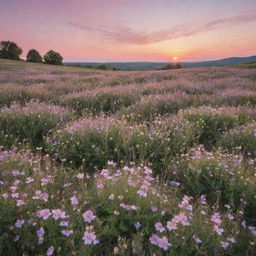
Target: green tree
<point>177,65</point>
<point>172,66</point>
<point>102,66</point>
<point>10,50</point>
<point>34,56</point>
<point>53,58</point>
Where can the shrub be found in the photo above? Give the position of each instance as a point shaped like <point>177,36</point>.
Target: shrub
<point>125,211</point>
<point>94,103</point>
<point>23,94</point>
<point>34,56</point>
<point>212,123</point>
<point>217,176</point>
<point>241,139</point>
<point>172,66</point>
<point>102,67</point>
<point>156,105</point>
<point>31,123</point>
<point>92,142</point>
<point>53,58</point>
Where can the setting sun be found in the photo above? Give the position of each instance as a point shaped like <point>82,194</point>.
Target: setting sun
<point>175,58</point>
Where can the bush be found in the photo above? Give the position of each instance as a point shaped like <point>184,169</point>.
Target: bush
<point>108,103</point>
<point>242,139</point>
<point>215,175</point>
<point>53,58</point>
<point>92,142</point>
<point>34,56</point>
<point>10,50</point>
<point>30,123</point>
<point>157,105</point>
<point>102,67</point>
<point>212,123</point>
<point>124,211</point>
<point>172,66</point>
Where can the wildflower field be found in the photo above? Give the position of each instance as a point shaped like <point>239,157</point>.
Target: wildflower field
<point>127,162</point>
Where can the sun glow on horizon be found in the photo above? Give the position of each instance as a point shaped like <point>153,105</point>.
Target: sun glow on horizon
<point>175,58</point>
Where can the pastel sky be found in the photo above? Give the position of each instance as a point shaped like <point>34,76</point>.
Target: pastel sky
<point>132,30</point>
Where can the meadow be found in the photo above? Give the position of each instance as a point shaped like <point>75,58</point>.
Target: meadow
<point>127,162</point>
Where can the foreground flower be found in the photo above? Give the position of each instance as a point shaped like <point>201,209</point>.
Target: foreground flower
<point>160,242</point>
<point>224,245</point>
<point>197,239</point>
<point>185,204</point>
<point>90,238</point>
<point>45,214</point>
<point>159,227</point>
<point>218,229</point>
<point>39,195</point>
<point>137,225</point>
<point>216,218</point>
<point>64,223</point>
<point>73,200</point>
<point>19,223</point>
<point>181,218</point>
<point>80,176</point>
<point>67,232</point>
<point>171,225</point>
<point>20,202</point>
<point>154,239</point>
<point>88,216</point>
<point>163,243</point>
<point>40,234</point>
<point>58,214</point>
<point>50,251</point>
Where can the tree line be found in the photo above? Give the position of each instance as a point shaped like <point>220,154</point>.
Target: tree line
<point>10,50</point>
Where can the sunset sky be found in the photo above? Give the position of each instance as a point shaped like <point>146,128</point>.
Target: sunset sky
<point>132,30</point>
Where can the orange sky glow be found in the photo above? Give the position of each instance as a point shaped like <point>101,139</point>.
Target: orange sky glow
<point>132,30</point>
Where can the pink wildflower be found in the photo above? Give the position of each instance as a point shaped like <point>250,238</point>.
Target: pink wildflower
<point>50,251</point>
<point>216,218</point>
<point>80,176</point>
<point>90,238</point>
<point>163,243</point>
<point>40,234</point>
<point>19,223</point>
<point>20,202</point>
<point>154,239</point>
<point>64,223</point>
<point>171,225</point>
<point>5,195</point>
<point>137,225</point>
<point>73,200</point>
<point>29,180</point>
<point>67,232</point>
<point>218,230</point>
<point>45,213</point>
<point>159,227</point>
<point>224,245</point>
<point>197,239</point>
<point>111,197</point>
<point>153,209</point>
<point>185,204</point>
<point>58,214</point>
<point>88,216</point>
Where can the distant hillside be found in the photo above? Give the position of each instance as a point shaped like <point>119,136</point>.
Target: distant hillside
<point>159,65</point>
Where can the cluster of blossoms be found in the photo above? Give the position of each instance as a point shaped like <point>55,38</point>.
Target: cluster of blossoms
<point>216,219</point>
<point>115,185</point>
<point>161,242</point>
<point>89,236</point>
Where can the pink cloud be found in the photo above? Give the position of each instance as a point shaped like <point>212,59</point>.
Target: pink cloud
<point>127,35</point>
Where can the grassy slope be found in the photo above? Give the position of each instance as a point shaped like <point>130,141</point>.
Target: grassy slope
<point>84,118</point>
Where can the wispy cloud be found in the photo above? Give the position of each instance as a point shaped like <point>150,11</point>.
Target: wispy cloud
<point>127,35</point>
